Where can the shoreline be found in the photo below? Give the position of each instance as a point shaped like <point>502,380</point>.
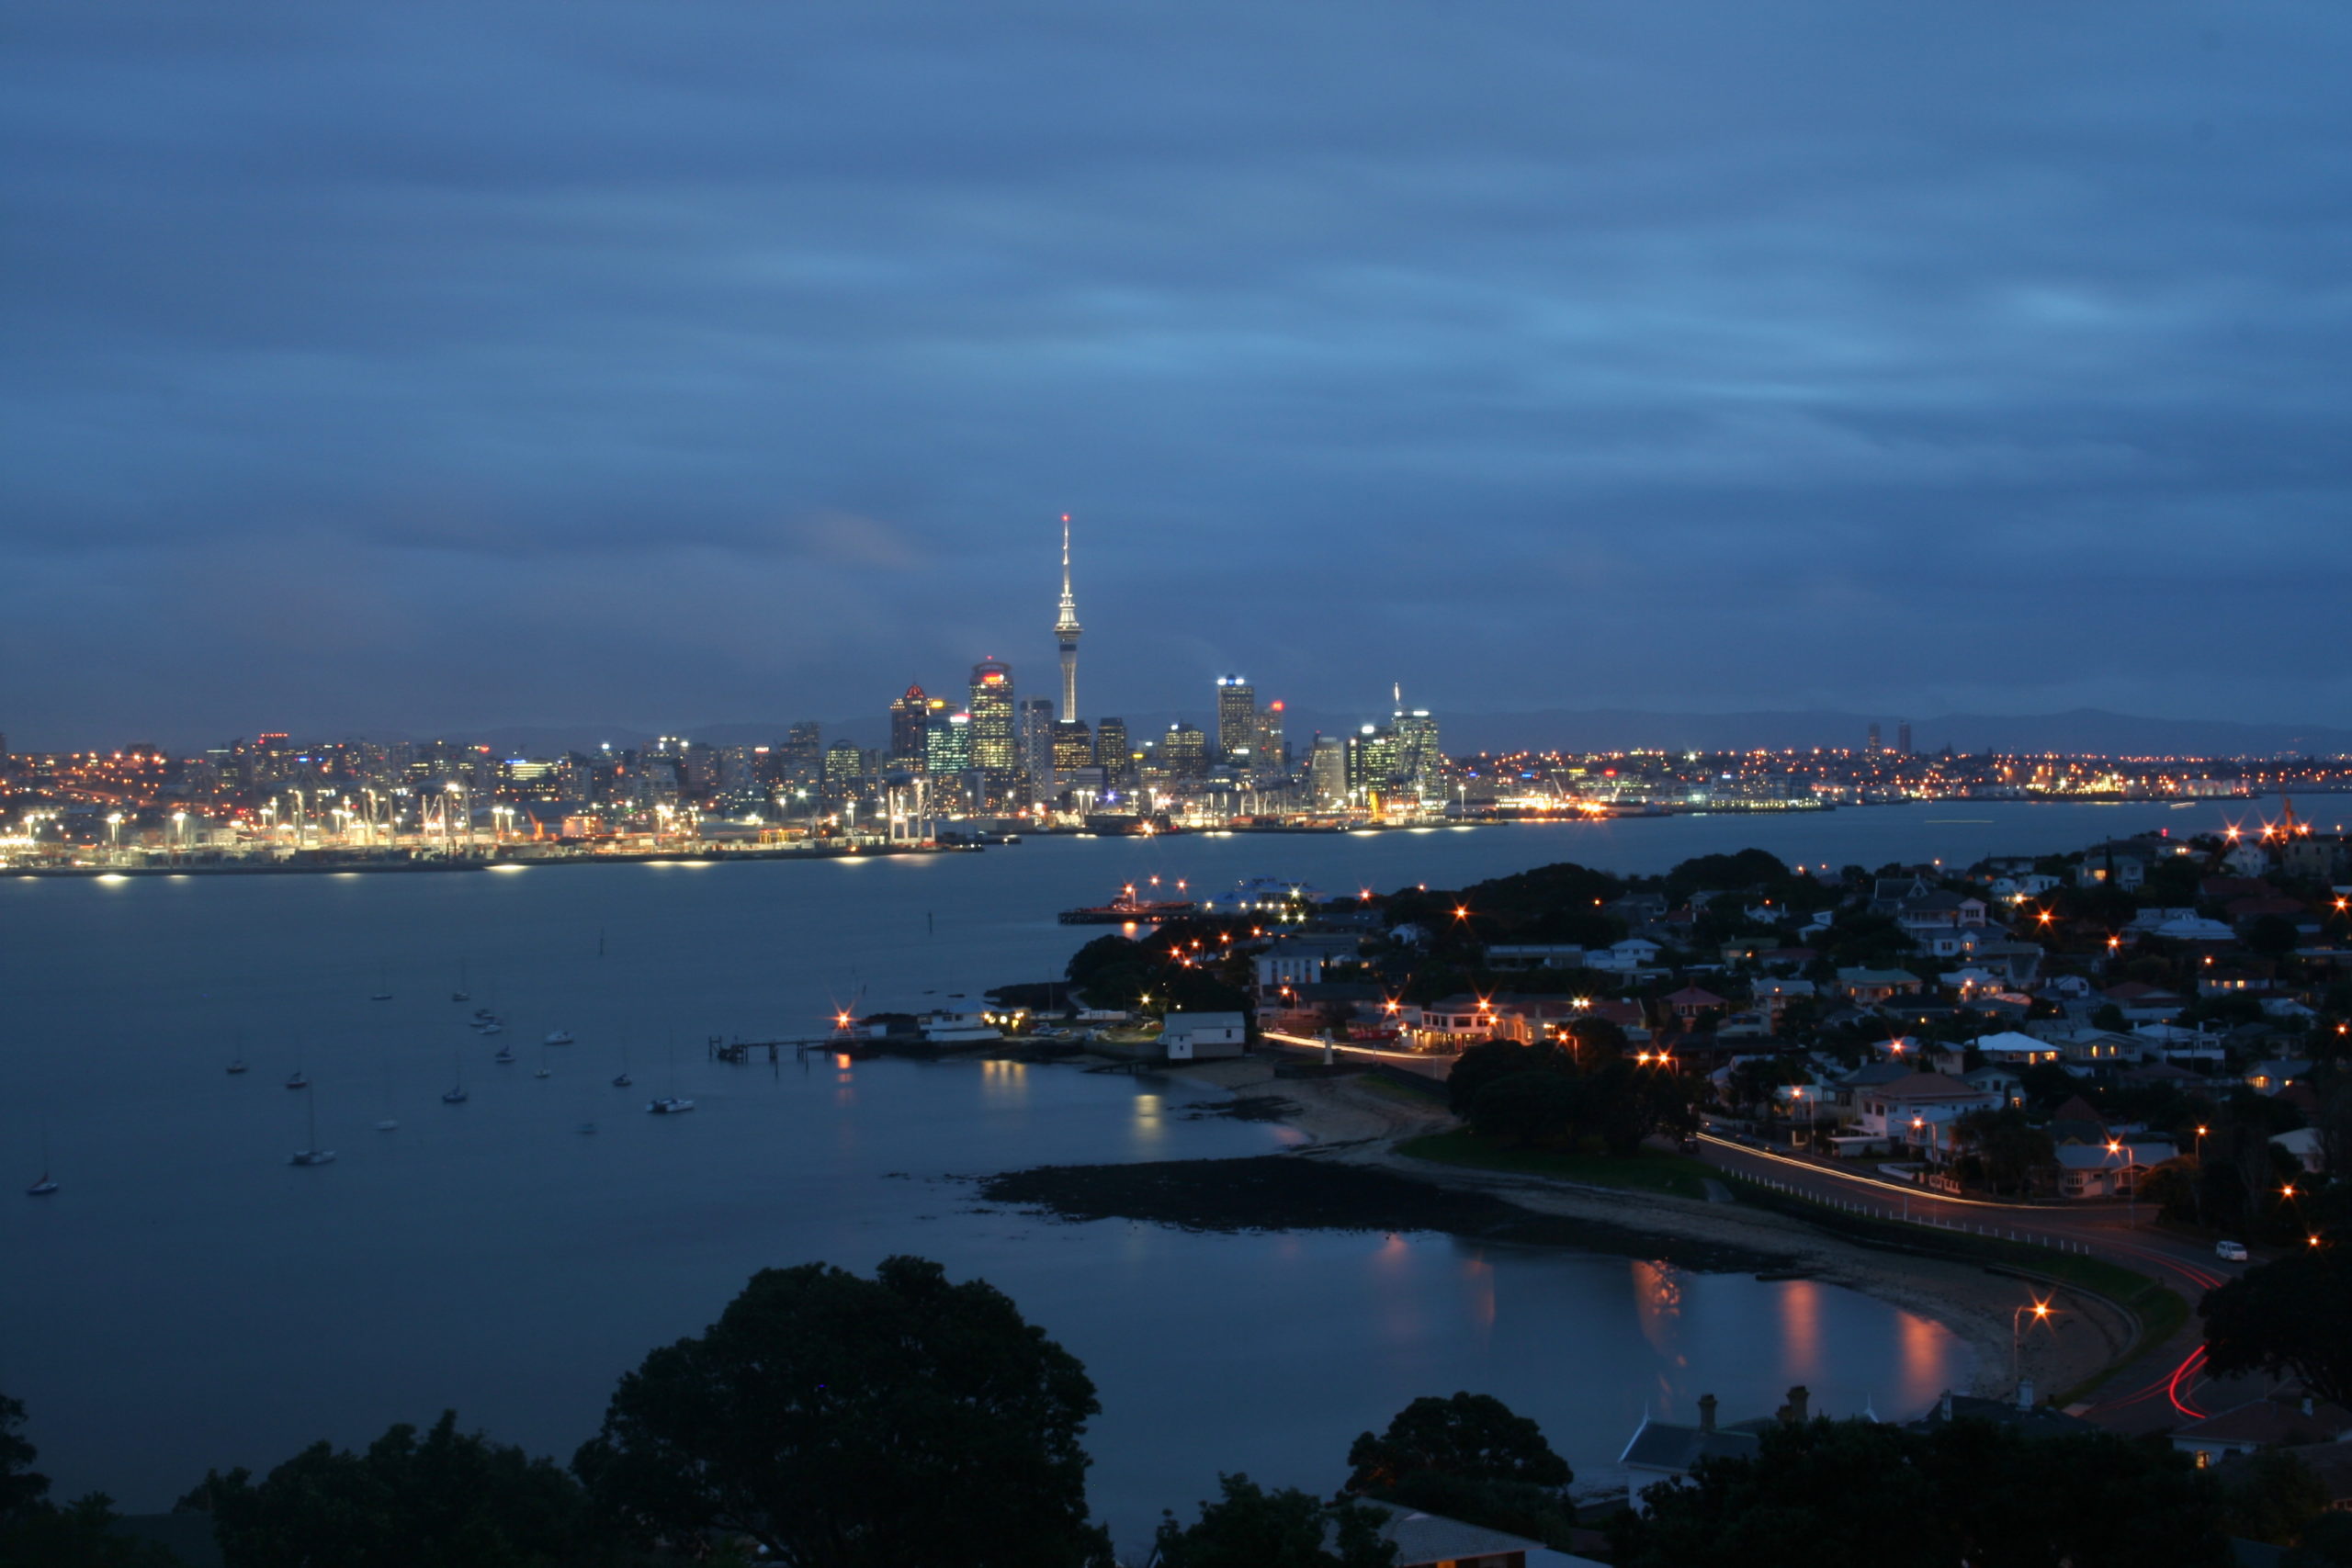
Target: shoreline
<point>1351,1124</point>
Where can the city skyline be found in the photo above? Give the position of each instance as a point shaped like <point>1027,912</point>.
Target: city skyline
<point>1856,361</point>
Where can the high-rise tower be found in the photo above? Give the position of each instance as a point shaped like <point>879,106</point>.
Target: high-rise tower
<point>993,745</point>
<point>1066,630</point>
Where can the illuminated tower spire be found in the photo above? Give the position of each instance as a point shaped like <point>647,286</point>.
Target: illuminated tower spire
<point>1066,630</point>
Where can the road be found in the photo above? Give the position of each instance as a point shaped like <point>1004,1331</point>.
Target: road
<point>2156,1390</point>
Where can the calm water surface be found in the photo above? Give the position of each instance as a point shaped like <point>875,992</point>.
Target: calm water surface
<point>190,1300</point>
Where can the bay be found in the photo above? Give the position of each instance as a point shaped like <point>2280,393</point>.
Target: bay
<point>190,1300</point>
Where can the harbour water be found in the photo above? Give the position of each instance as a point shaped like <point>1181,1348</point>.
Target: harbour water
<point>188,1299</point>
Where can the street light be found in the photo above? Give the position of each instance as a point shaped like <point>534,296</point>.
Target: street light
<point>2041,1309</point>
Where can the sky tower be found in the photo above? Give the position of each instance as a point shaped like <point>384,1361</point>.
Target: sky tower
<point>1066,630</point>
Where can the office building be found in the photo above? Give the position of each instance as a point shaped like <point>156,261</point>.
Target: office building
<point>844,772</point>
<point>993,747</point>
<point>1270,753</point>
<point>1237,719</point>
<point>908,715</point>
<point>1903,739</point>
<point>1419,763</point>
<point>1326,772</point>
<point>1184,751</point>
<point>1073,746</point>
<point>1113,755</point>
<point>1872,748</point>
<point>1371,760</point>
<point>947,745</point>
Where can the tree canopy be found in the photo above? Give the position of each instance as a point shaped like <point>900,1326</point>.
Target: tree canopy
<point>1248,1526</point>
<point>1856,1494</point>
<point>2291,1316</point>
<point>1469,1457</point>
<point>841,1422</point>
<point>448,1500</point>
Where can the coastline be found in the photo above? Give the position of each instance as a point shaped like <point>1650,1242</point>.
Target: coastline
<point>1353,1124</point>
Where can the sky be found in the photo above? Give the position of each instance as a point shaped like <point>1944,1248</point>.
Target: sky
<point>415,368</point>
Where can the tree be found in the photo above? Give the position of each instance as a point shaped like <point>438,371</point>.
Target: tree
<point>1468,1457</point>
<point>2011,1148</point>
<point>1855,1494</point>
<point>841,1422</point>
<point>1532,1109</point>
<point>452,1499</point>
<point>21,1486</point>
<point>2294,1316</point>
<point>1252,1528</point>
<point>1482,1064</point>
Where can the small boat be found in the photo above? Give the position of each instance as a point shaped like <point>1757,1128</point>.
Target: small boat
<point>483,1012</point>
<point>383,991</point>
<point>388,1125</point>
<point>456,1096</point>
<point>560,1037</point>
<point>43,1188</point>
<point>670,1105</point>
<point>237,1067</point>
<point>461,994</point>
<point>587,1127</point>
<point>541,1073</point>
<point>313,1155</point>
<point>505,1055</point>
<point>296,1081</point>
<point>622,1081</point>
<point>488,1028</point>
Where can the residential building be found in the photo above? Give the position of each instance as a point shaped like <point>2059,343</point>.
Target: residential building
<point>1203,1036</point>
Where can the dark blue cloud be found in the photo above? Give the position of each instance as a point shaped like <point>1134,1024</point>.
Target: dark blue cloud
<point>441,366</point>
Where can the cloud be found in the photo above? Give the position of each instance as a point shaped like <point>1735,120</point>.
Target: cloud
<point>739,359</point>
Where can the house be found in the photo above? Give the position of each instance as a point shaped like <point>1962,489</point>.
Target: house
<point>2173,1042</point>
<point>1998,1080</point>
<point>2020,1415</point>
<point>1432,1540</point>
<point>2307,1146</point>
<point>2113,1169</point>
<point>1913,1107</point>
<point>1872,986</point>
<point>2270,1076</point>
<point>1936,910</point>
<point>2010,1049</point>
<point>1691,1001</point>
<point>1630,956</point>
<point>2124,865</point>
<point>1660,1452</point>
<point>1535,956</point>
<point>2278,1420</point>
<point>2141,1003</point>
<point>1203,1036</point>
<point>2095,1047</point>
<point>1461,1019</point>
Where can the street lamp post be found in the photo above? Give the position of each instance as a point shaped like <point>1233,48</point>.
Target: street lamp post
<point>2041,1311</point>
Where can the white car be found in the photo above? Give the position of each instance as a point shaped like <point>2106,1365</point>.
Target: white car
<point>2230,1251</point>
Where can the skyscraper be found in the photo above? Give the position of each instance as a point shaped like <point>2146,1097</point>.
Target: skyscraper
<point>1111,753</point>
<point>1066,630</point>
<point>1036,721</point>
<point>1184,751</point>
<point>992,743</point>
<point>1872,748</point>
<point>1237,718</point>
<point>908,717</point>
<point>1271,754</point>
<point>1073,745</point>
<point>1326,772</point>
<point>1902,738</point>
<point>947,745</point>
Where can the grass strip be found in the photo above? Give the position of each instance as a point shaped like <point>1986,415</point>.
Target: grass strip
<point>1645,1172</point>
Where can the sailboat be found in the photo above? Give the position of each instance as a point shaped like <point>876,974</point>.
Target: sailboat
<point>671,1103</point>
<point>456,1094</point>
<point>461,994</point>
<point>505,1055</point>
<point>388,1123</point>
<point>558,1037</point>
<point>296,1079</point>
<point>542,1071</point>
<point>621,1079</point>
<point>383,991</point>
<point>236,1066</point>
<point>313,1155</point>
<point>47,1184</point>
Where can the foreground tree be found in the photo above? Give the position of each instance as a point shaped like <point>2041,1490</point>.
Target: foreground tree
<point>1468,1457</point>
<point>1252,1528</point>
<point>1855,1494</point>
<point>33,1531</point>
<point>448,1499</point>
<point>2291,1316</point>
<point>841,1422</point>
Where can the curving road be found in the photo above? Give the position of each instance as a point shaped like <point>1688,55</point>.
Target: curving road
<point>2154,1391</point>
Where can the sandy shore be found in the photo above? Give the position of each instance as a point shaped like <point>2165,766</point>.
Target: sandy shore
<point>1359,1120</point>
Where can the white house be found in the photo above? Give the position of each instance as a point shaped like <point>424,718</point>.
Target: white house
<point>1203,1036</point>
<point>1634,952</point>
<point>1913,1109</point>
<point>2010,1049</point>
